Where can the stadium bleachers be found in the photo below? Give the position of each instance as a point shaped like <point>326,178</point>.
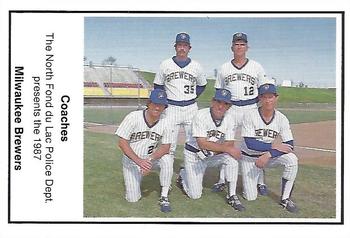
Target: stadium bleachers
<point>114,81</point>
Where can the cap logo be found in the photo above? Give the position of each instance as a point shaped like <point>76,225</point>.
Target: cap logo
<point>266,86</point>
<point>161,95</point>
<point>239,34</point>
<point>183,36</point>
<point>223,92</point>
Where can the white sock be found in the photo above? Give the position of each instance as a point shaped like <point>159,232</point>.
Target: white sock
<point>261,177</point>
<point>287,189</point>
<point>165,191</point>
<point>222,175</point>
<point>231,189</point>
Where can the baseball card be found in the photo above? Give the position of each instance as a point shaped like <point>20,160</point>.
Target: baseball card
<point>112,112</point>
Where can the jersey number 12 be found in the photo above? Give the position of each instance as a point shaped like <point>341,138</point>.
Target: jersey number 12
<point>248,91</point>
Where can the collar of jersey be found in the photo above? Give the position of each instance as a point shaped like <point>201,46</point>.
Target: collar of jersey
<point>262,118</point>
<point>181,64</point>
<point>144,118</point>
<point>216,122</point>
<point>246,62</point>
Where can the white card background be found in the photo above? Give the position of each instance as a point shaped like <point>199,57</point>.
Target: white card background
<point>31,33</point>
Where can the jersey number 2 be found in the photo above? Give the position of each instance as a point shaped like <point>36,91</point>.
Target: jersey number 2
<point>150,149</point>
<point>248,91</point>
<point>189,89</point>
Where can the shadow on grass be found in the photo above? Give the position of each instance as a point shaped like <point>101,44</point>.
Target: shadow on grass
<point>150,183</point>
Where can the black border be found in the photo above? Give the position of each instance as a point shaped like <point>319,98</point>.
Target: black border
<point>342,13</point>
<point>9,128</point>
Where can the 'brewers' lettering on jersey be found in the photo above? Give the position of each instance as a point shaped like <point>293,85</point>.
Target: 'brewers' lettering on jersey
<point>143,137</point>
<point>254,126</point>
<point>240,77</point>
<point>181,75</point>
<point>216,134</point>
<point>180,82</point>
<point>242,82</point>
<point>204,126</point>
<point>266,133</point>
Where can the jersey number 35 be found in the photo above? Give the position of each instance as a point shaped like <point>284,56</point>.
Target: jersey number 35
<point>189,89</point>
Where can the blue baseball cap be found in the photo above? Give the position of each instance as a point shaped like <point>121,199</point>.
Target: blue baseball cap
<point>159,96</point>
<point>240,36</point>
<point>223,95</point>
<point>267,88</point>
<point>183,37</point>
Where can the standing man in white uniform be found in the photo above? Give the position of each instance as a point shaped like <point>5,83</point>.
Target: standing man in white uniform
<point>260,149</point>
<point>183,80</point>
<point>145,138</point>
<point>212,145</point>
<point>242,77</point>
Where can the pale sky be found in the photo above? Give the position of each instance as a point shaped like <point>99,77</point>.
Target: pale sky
<point>289,48</point>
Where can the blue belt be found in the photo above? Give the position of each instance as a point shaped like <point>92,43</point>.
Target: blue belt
<point>246,154</point>
<point>181,103</point>
<point>245,102</point>
<point>191,148</point>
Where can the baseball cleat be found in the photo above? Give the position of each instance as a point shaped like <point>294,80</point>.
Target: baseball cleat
<point>164,204</point>
<point>289,205</point>
<point>179,182</point>
<point>170,188</point>
<point>262,189</point>
<point>235,203</point>
<point>218,187</point>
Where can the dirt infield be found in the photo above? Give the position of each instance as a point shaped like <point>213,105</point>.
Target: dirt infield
<point>318,135</point>
<point>315,142</point>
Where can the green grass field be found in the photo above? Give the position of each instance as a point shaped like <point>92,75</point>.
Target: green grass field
<point>110,116</point>
<point>306,95</point>
<point>314,192</point>
<point>294,102</point>
<point>114,116</point>
<point>148,76</point>
<point>287,94</point>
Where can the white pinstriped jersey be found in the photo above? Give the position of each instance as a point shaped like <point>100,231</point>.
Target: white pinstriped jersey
<point>255,126</point>
<point>242,82</point>
<point>180,83</point>
<point>203,125</point>
<point>143,139</point>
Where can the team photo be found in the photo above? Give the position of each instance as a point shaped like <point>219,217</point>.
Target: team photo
<point>211,118</point>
